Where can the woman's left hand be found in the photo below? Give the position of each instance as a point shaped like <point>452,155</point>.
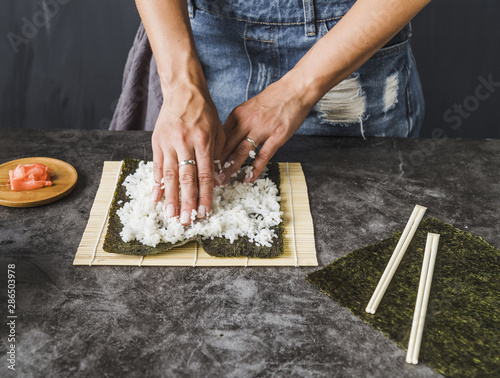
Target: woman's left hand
<point>269,119</point>
<point>273,116</point>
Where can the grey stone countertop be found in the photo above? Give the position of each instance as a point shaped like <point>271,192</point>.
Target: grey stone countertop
<point>80,321</point>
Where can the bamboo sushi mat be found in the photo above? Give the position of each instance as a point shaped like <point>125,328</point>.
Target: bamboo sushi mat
<point>298,232</point>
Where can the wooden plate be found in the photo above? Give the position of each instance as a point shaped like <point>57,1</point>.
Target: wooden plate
<point>63,182</point>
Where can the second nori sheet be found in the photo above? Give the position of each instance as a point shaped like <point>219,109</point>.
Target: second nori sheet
<point>218,247</point>
<point>221,247</point>
<point>462,328</point>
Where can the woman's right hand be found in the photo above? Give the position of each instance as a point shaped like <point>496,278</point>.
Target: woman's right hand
<point>188,128</point>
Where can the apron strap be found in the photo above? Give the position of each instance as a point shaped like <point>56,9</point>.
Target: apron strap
<point>310,20</point>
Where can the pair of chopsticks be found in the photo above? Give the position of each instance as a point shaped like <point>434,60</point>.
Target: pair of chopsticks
<point>425,280</point>
<point>424,288</point>
<point>397,255</point>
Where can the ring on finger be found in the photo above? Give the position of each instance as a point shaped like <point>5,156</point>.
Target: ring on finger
<point>187,162</point>
<point>252,141</point>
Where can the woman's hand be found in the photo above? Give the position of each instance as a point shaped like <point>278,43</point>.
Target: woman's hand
<point>188,128</point>
<point>269,119</point>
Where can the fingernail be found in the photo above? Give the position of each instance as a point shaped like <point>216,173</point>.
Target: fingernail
<point>222,177</point>
<point>217,179</point>
<point>201,211</point>
<point>170,210</point>
<point>185,217</point>
<point>154,196</point>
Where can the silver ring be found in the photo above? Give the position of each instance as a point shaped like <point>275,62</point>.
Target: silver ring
<point>252,141</point>
<point>186,162</point>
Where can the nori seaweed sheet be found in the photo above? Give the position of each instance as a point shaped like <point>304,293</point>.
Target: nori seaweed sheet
<point>221,247</point>
<point>462,327</point>
<point>113,241</point>
<point>218,247</point>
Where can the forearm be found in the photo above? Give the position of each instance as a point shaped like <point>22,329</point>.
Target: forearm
<point>169,33</point>
<point>368,26</point>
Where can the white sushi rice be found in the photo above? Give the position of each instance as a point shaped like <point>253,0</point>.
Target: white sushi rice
<point>248,172</point>
<point>238,209</point>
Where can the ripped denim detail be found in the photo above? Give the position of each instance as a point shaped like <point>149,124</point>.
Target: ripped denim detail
<point>344,104</point>
<point>391,92</point>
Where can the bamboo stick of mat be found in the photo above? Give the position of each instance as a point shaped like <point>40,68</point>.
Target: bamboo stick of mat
<point>292,179</point>
<point>399,251</point>
<point>424,289</point>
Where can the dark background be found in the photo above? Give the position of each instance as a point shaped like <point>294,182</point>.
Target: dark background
<point>67,73</point>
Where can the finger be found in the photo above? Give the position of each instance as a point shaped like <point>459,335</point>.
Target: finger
<point>233,136</point>
<point>239,156</point>
<point>220,140</point>
<point>230,123</point>
<point>189,187</point>
<point>265,154</point>
<point>204,161</point>
<point>171,184</point>
<point>157,172</point>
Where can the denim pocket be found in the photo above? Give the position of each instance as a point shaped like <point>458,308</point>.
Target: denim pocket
<point>374,100</point>
<point>392,49</point>
<point>397,43</point>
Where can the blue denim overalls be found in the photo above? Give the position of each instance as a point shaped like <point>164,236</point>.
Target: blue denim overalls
<point>245,45</point>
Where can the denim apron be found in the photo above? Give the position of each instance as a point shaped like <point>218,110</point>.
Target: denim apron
<point>245,45</point>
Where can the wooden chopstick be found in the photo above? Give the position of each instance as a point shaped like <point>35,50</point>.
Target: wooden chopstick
<point>397,255</point>
<point>424,288</point>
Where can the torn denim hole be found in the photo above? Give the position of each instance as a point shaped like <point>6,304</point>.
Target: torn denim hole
<point>264,76</point>
<point>343,104</point>
<point>391,92</point>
